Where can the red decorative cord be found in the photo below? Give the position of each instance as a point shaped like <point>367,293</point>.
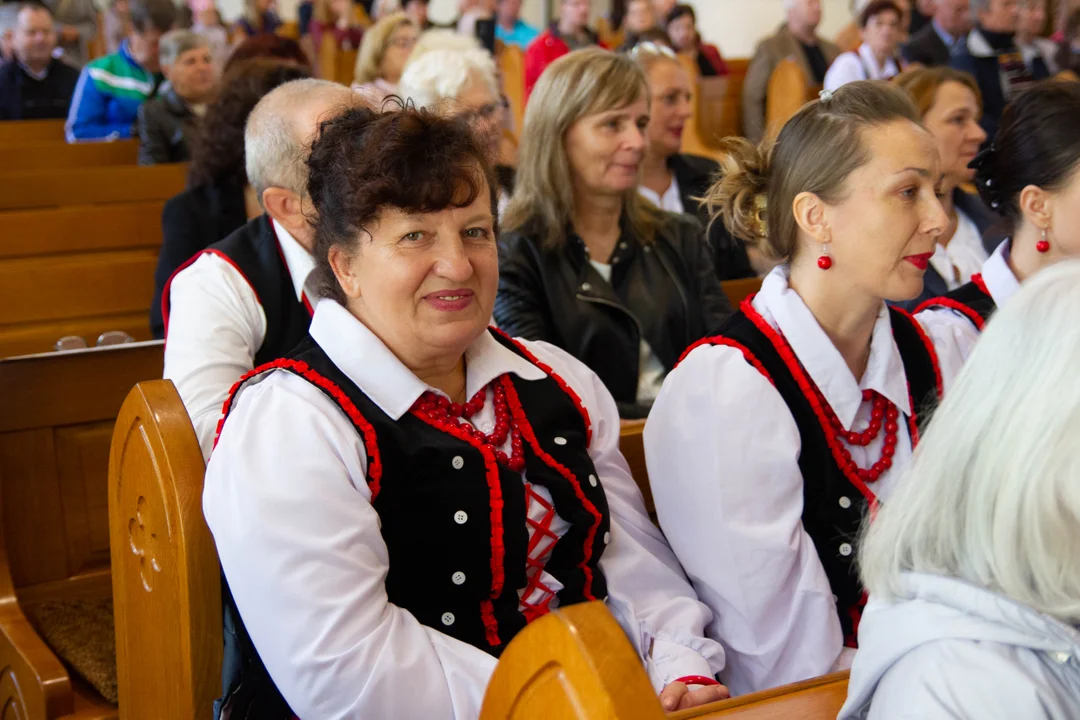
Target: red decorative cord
<point>696,680</point>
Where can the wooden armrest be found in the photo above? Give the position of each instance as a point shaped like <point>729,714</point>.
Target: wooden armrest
<point>33,682</point>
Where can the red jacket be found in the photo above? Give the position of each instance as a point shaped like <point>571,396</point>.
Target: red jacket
<point>544,50</point>
<point>712,54</point>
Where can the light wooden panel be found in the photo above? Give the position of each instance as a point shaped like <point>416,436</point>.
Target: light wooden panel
<point>82,454</point>
<point>35,156</point>
<point>117,226</point>
<point>29,338</point>
<point>24,190</point>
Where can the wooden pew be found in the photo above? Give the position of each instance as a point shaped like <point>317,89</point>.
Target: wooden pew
<point>57,156</point>
<point>632,447</point>
<point>816,699</point>
<point>717,109</point>
<point>15,132</point>
<point>739,290</point>
<point>57,413</point>
<point>79,252</point>
<point>789,89</point>
<point>511,61</point>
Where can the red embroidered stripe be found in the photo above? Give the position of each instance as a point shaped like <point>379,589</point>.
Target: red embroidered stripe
<point>931,351</point>
<point>944,302</point>
<point>491,466</point>
<point>787,355</point>
<point>562,383</point>
<point>491,628</point>
<point>527,432</point>
<point>168,283</point>
<point>977,278</point>
<point>728,342</point>
<point>374,469</point>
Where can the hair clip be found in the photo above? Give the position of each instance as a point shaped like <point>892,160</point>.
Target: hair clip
<point>825,95</point>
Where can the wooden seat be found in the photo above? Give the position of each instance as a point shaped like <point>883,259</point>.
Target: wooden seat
<point>632,447</point>
<point>54,156</point>
<point>789,89</point>
<point>166,578</point>
<point>16,132</point>
<point>511,62</point>
<point>56,418</point>
<point>717,108</point>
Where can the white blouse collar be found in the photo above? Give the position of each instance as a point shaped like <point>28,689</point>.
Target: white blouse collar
<point>879,73</point>
<point>365,360</point>
<point>998,276</point>
<point>298,261</point>
<point>785,310</point>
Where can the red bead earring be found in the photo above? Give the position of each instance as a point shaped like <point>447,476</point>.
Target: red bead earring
<point>1043,245</point>
<point>824,262</point>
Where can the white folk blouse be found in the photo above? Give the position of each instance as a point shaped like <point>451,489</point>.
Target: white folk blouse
<point>287,499</point>
<point>723,450</point>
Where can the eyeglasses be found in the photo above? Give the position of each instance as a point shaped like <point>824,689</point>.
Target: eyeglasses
<point>648,47</point>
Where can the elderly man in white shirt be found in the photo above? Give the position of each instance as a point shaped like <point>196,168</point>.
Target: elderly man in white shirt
<point>245,300</point>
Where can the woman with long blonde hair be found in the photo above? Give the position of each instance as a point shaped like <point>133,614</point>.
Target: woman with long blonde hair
<point>587,264</point>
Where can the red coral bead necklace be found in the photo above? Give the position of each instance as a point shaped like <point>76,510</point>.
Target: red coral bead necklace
<point>442,412</point>
<point>883,414</point>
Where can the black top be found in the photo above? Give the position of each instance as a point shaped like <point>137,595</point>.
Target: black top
<point>695,175</point>
<point>818,65</point>
<point>254,251</point>
<point>971,299</point>
<point>421,501</point>
<point>165,123</point>
<point>192,221</point>
<point>830,522</point>
<point>665,293</point>
<point>926,47</point>
<point>23,97</point>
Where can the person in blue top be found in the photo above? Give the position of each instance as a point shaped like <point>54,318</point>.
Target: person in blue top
<point>111,89</point>
<point>510,28</point>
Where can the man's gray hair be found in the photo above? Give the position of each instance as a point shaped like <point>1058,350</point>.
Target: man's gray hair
<point>175,43</point>
<point>275,149</point>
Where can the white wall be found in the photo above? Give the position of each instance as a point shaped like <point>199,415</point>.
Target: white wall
<point>735,26</point>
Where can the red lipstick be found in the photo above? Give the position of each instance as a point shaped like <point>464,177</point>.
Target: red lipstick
<point>450,300</point>
<point>920,261</point>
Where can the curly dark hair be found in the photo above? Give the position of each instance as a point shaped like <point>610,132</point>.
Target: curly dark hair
<point>364,161</point>
<point>268,46</point>
<point>217,153</point>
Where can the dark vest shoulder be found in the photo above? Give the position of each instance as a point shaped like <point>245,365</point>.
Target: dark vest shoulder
<point>970,299</point>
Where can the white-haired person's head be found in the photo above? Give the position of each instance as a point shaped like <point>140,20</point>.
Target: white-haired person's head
<point>277,140</point>
<point>459,82</point>
<point>993,495</point>
<point>442,39</point>
<point>803,16</point>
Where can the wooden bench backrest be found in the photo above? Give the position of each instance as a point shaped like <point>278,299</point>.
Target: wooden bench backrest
<point>718,105</point>
<point>90,186</point>
<point>739,290</point>
<point>573,664</point>
<point>789,89</point>
<point>512,67</point>
<point>335,64</point>
<point>816,699</point>
<point>16,132</point>
<point>165,572</point>
<point>39,156</point>
<point>632,447</point>
<point>57,412</point>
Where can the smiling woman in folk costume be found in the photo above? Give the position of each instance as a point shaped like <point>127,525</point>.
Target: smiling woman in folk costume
<point>1030,176</point>
<point>423,486</point>
<point>770,442</point>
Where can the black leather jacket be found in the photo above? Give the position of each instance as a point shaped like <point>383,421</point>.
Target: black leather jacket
<point>666,293</point>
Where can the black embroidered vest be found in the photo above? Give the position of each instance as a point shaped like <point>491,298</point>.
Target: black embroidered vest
<point>453,520</point>
<point>253,250</point>
<point>833,508</point>
<point>970,299</point>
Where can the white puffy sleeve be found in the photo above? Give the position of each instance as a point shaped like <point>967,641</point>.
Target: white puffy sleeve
<point>953,337</point>
<point>286,498</point>
<point>722,450</point>
<point>648,592</point>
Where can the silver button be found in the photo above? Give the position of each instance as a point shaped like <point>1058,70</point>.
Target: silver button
<point>461,517</point>
<point>1060,657</point>
<point>448,618</point>
<point>458,462</point>
<point>592,480</point>
<point>560,441</point>
<point>458,578</point>
<point>607,538</point>
<point>586,287</point>
<point>622,245</point>
<point>845,549</point>
<point>845,502</point>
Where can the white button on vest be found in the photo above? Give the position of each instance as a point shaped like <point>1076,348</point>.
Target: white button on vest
<point>560,441</point>
<point>458,462</point>
<point>607,538</point>
<point>461,517</point>
<point>845,549</point>
<point>458,578</point>
<point>845,502</point>
<point>592,480</point>
<point>586,287</point>
<point>448,618</point>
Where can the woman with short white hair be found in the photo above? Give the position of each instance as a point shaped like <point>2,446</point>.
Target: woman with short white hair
<point>974,565</point>
<point>463,82</point>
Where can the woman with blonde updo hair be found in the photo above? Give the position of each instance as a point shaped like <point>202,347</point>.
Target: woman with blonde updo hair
<point>771,441</point>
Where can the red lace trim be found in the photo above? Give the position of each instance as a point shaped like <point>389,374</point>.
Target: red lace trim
<point>977,278</point>
<point>491,628</point>
<point>930,350</point>
<point>728,342</point>
<point>165,304</point>
<point>562,383</point>
<point>944,302</point>
<point>491,468</point>
<point>530,437</point>
<point>374,469</point>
